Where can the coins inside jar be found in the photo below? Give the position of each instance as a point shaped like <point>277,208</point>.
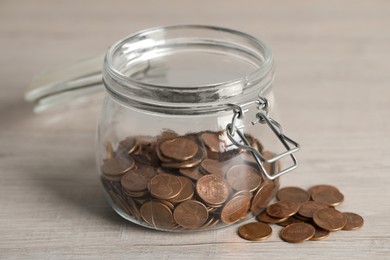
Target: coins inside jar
<point>195,181</point>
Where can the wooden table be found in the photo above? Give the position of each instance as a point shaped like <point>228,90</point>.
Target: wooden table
<point>333,92</point>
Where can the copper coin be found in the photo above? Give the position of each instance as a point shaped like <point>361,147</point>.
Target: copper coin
<point>282,209</point>
<point>212,189</point>
<point>297,232</point>
<point>308,208</point>
<point>263,196</point>
<point>192,173</point>
<point>127,146</point>
<point>165,186</point>
<point>289,220</point>
<point>109,151</point>
<point>191,214</point>
<point>237,208</point>
<point>320,234</point>
<point>243,177</point>
<point>187,191</point>
<point>212,141</point>
<point>264,217</point>
<point>210,166</point>
<point>321,187</point>
<point>157,214</point>
<point>329,196</point>
<point>329,219</point>
<point>137,180</point>
<point>354,221</point>
<point>179,149</point>
<point>116,166</point>
<point>255,231</point>
<point>293,193</point>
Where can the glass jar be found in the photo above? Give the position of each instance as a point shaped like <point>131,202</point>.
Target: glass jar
<point>183,142</point>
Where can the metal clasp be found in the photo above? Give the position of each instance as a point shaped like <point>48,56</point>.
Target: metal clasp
<point>262,117</point>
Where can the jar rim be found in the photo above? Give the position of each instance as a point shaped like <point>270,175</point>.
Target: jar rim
<point>126,88</point>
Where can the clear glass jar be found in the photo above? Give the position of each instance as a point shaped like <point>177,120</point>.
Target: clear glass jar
<point>180,144</point>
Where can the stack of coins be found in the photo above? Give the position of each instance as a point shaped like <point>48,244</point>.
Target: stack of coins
<point>195,181</point>
<point>304,215</point>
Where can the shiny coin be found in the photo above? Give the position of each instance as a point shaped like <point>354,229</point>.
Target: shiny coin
<point>308,208</point>
<point>329,219</point>
<point>293,193</point>
<point>237,208</point>
<point>157,214</point>
<point>297,232</point>
<point>212,189</point>
<point>191,214</point>
<point>354,221</point>
<point>165,186</point>
<point>137,180</point>
<point>212,142</point>
<point>283,209</point>
<point>264,217</point>
<point>255,231</point>
<point>320,234</point>
<point>179,149</point>
<point>109,151</point>
<point>243,177</point>
<point>263,196</point>
<point>329,196</point>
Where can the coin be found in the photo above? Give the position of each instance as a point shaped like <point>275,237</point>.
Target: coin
<point>321,187</point>
<point>191,214</point>
<point>329,196</point>
<point>289,220</point>
<point>187,191</point>
<point>157,214</point>
<point>179,149</point>
<point>264,217</point>
<point>212,189</point>
<point>137,180</point>
<point>297,232</point>
<point>255,231</point>
<point>237,208</point>
<point>212,141</point>
<point>165,186</point>
<point>293,193</point>
<point>263,196</point>
<point>209,166</point>
<point>308,208</point>
<point>320,234</point>
<point>243,177</point>
<point>354,221</point>
<point>192,173</point>
<point>282,209</point>
<point>329,219</point>
<point>116,167</point>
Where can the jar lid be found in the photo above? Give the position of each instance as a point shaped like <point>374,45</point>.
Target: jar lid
<point>205,65</point>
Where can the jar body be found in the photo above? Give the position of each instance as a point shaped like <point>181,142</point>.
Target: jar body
<point>168,163</point>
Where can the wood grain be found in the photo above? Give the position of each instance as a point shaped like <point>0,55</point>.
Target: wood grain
<point>332,88</point>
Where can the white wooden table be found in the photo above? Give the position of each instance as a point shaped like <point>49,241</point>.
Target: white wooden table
<point>333,92</point>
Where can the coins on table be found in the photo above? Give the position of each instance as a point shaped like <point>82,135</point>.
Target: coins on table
<point>196,181</point>
<point>297,232</point>
<point>255,231</point>
<point>303,219</point>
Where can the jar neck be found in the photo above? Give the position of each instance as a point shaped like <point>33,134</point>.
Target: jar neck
<point>187,69</point>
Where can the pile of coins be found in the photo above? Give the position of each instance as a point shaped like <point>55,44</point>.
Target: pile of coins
<point>304,215</point>
<point>194,181</point>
